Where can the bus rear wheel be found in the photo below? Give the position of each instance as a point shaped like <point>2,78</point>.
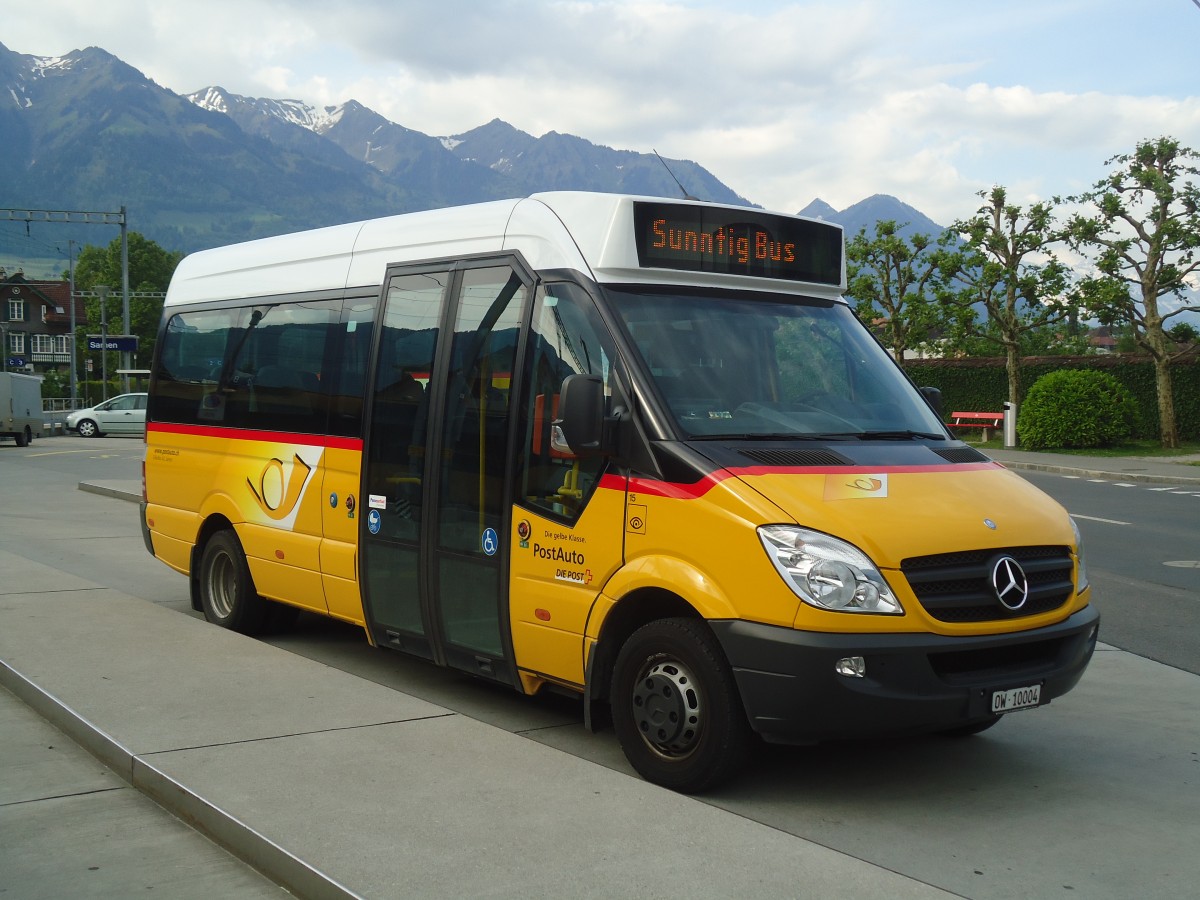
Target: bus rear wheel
<point>227,593</point>
<point>676,708</point>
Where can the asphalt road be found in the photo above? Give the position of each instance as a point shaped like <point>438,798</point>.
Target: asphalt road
<point>1093,796</point>
<point>1142,546</point>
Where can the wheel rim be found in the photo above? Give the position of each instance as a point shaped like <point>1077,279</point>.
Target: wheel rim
<point>667,708</point>
<point>86,429</point>
<point>222,585</point>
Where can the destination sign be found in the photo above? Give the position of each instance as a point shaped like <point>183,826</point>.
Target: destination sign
<point>738,242</point>
<point>126,343</point>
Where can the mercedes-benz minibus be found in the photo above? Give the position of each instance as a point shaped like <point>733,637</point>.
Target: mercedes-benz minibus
<point>635,449</point>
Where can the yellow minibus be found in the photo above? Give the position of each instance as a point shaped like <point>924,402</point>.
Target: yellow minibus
<point>636,449</point>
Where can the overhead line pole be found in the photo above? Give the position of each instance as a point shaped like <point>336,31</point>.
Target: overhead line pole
<point>87,217</point>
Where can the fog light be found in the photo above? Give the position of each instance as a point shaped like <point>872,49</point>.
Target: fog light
<point>851,667</point>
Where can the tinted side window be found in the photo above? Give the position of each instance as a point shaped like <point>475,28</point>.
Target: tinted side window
<point>191,357</point>
<point>266,368</point>
<point>352,349</point>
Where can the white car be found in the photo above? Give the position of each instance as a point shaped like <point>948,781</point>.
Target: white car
<point>124,414</point>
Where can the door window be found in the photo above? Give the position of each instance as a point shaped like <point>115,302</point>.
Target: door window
<point>474,455</point>
<point>568,338</point>
<point>396,460</point>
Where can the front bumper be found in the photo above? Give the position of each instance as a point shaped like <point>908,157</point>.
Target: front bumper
<point>146,539</point>
<point>913,683</point>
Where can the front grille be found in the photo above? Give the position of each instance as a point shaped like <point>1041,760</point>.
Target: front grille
<point>957,587</point>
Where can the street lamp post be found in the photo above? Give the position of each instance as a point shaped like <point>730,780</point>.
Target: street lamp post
<point>102,290</point>
<point>71,301</point>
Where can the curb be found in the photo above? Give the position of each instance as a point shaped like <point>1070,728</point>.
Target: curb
<point>1100,473</point>
<point>110,490</point>
<point>227,831</point>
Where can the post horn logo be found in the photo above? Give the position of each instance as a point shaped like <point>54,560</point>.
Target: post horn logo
<point>278,493</point>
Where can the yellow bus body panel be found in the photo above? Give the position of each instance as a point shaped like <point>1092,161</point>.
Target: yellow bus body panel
<point>273,493</point>
<point>557,573</point>
<point>342,511</point>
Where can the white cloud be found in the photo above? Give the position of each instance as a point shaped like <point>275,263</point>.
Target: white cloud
<point>930,101</point>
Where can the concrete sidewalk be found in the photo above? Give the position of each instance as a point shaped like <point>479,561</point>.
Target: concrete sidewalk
<point>333,786</point>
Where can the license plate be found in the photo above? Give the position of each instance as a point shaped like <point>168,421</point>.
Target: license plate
<point>1017,698</point>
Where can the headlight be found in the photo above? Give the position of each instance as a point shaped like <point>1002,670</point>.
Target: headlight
<point>827,573</point>
<point>1083,579</point>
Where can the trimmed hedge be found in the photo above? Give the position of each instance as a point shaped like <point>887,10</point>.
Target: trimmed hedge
<point>980,384</point>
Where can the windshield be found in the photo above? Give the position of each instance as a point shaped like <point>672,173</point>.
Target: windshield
<point>744,366</point>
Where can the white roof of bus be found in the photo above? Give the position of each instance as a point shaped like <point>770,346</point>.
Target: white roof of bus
<point>587,232</point>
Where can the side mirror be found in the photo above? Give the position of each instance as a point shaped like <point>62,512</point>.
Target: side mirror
<point>579,427</point>
<point>933,396</point>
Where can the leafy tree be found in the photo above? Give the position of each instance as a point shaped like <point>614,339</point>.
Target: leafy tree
<point>1183,333</point>
<point>1144,229</point>
<point>1047,340</point>
<point>150,271</point>
<point>1005,266</point>
<point>891,279</point>
<point>150,266</point>
<point>55,385</point>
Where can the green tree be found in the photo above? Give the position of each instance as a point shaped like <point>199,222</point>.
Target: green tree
<point>150,271</point>
<point>1144,230</point>
<point>891,278</point>
<point>1183,333</point>
<point>1006,267</point>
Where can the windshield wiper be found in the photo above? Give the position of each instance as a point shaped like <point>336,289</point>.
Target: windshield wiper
<point>898,436</point>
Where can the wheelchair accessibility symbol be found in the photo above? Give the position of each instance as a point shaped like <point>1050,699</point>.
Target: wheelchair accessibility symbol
<point>490,542</point>
<point>373,521</point>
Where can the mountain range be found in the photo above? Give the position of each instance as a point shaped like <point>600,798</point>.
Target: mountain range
<point>87,131</point>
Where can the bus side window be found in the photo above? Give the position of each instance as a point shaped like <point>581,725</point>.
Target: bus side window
<point>567,338</point>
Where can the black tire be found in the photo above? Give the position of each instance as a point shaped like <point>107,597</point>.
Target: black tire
<point>227,593</point>
<point>87,428</point>
<point>23,438</point>
<point>676,708</point>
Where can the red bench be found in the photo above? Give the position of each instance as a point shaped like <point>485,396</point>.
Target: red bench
<point>984,420</point>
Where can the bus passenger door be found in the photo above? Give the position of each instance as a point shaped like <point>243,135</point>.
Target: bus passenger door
<point>438,458</point>
<point>393,496</point>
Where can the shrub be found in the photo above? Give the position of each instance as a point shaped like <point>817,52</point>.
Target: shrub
<point>1075,408</point>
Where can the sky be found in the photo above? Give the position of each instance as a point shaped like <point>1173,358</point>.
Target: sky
<point>784,102</point>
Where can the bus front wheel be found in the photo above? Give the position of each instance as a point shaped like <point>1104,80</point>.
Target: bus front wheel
<point>676,708</point>
<point>227,593</point>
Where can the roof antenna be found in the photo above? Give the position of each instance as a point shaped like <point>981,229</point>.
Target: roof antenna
<point>686,195</point>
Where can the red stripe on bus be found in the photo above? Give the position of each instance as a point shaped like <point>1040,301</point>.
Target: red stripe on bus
<point>248,434</point>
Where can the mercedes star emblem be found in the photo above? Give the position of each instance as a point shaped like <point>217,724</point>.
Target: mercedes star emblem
<point>1010,583</point>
